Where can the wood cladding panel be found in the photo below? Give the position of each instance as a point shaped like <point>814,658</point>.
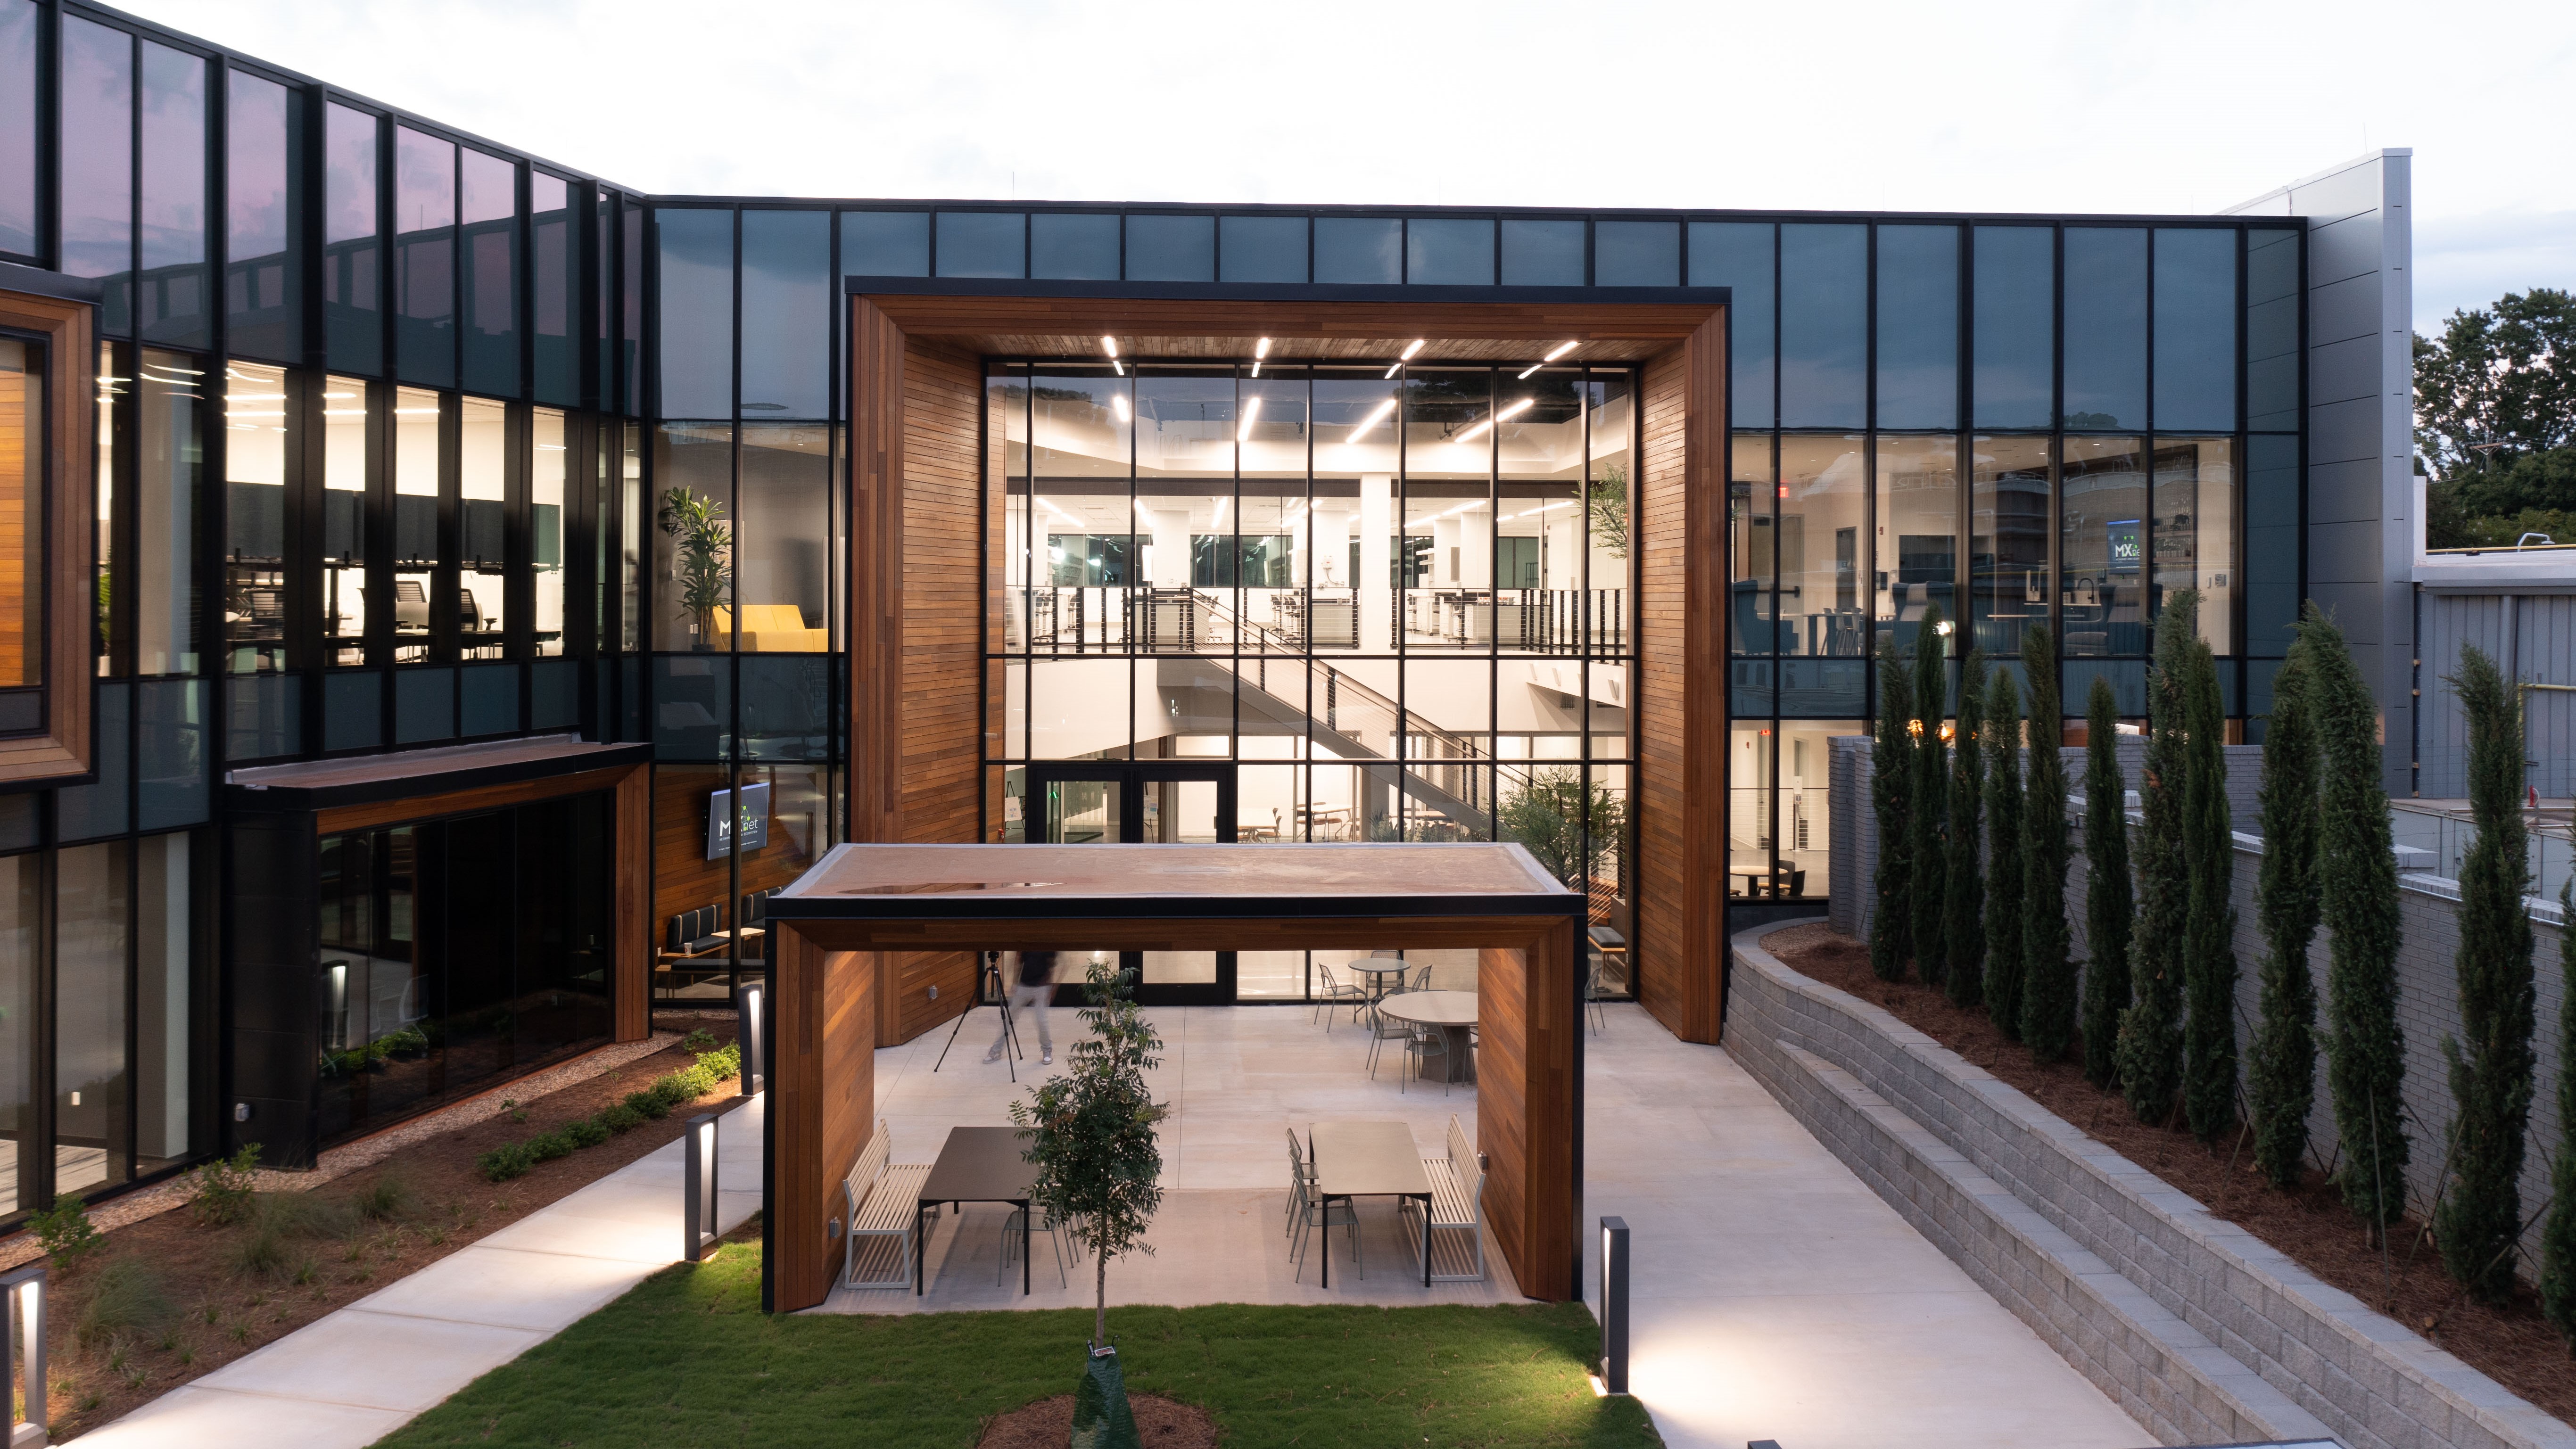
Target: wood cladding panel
<point>822,1091</point>
<point>683,878</point>
<point>1661,949</point>
<point>1294,324</point>
<point>61,481</point>
<point>876,572</point>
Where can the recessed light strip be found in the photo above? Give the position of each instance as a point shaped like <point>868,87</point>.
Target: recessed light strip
<point>1376,416</point>
<point>1562,348</point>
<point>1505,416</point>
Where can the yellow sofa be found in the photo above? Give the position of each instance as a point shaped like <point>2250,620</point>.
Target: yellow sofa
<point>773,629</point>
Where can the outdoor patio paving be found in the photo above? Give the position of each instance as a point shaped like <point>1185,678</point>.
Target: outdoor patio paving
<point>1774,1296</point>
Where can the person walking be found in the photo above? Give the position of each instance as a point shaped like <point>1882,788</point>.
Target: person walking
<point>1034,984</point>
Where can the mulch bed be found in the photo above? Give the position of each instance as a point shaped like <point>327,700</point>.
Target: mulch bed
<point>1048,1424</point>
<point>2513,1345</point>
<point>221,1311</point>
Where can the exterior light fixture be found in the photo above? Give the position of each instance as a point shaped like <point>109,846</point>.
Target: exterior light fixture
<point>25,1292</point>
<point>1405,356</point>
<point>1261,349</point>
<point>1949,731</point>
<point>1558,351</point>
<point>1613,1378</point>
<point>698,1187</point>
<point>1914,728</point>
<point>751,1035</point>
<point>1109,345</point>
<point>1942,628</point>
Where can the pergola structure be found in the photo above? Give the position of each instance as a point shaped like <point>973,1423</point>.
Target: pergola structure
<point>837,931</point>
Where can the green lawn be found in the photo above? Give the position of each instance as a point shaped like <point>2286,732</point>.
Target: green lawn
<point>687,1359</point>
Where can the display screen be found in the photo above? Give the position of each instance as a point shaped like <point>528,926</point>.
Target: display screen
<point>723,819</point>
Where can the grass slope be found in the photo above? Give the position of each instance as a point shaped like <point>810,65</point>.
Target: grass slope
<point>687,1360</point>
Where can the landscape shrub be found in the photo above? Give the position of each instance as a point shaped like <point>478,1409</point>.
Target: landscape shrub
<point>2110,904</point>
<point>2048,990</point>
<point>127,1299</point>
<point>387,1199</point>
<point>647,1103</point>
<point>546,1147</point>
<point>2150,1041</point>
<point>699,1039</point>
<point>66,1232</point>
<point>509,1160</point>
<point>2281,1075</point>
<point>619,1118</point>
<point>586,1132</point>
<point>262,1252</point>
<point>1891,788</point>
<point>223,1192</point>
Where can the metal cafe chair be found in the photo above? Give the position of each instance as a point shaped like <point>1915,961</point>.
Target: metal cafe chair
<point>1337,994</point>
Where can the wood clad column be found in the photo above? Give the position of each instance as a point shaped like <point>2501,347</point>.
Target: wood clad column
<point>632,805</point>
<point>876,573</point>
<point>1681,794</point>
<point>822,1109</point>
<point>1526,1026</point>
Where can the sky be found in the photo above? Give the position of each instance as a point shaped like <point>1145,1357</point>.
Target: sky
<point>2071,106</point>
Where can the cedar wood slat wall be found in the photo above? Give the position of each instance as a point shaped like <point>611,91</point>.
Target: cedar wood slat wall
<point>683,878</point>
<point>19,653</point>
<point>631,872</point>
<point>1681,752</point>
<point>824,1084</point>
<point>64,749</point>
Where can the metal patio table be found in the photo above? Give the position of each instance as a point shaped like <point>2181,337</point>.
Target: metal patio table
<point>1377,969</point>
<point>1450,1013</point>
<point>1368,1159</point>
<point>975,1164</point>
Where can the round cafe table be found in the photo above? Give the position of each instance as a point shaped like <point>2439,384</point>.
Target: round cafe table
<point>1450,1013</point>
<point>1377,969</point>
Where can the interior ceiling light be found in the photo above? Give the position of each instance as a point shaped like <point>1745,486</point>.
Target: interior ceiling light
<point>1376,416</point>
<point>1251,415</point>
<point>1260,350</point>
<point>1405,356</point>
<point>1505,416</point>
<point>1560,350</point>
<point>1118,403</point>
<point>1109,345</point>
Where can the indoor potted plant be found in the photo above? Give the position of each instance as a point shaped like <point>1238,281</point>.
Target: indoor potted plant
<point>701,559</point>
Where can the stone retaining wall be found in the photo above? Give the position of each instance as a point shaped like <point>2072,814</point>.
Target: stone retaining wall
<point>2195,1326</point>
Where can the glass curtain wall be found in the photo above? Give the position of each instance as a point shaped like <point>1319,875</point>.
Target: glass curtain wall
<point>1392,601</point>
<point>2068,425</point>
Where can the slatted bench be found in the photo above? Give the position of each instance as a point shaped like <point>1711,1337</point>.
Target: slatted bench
<point>1457,1198</point>
<point>884,1201</point>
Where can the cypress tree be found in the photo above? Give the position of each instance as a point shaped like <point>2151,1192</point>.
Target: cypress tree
<point>2209,949</point>
<point>1931,797</point>
<point>2357,868</point>
<point>2048,971</point>
<point>1963,914</point>
<point>2150,1045</point>
<point>1891,789</point>
<point>2110,904</point>
<point>2480,1218</point>
<point>2282,1078</point>
<point>2004,843</point>
<point>2558,1236</point>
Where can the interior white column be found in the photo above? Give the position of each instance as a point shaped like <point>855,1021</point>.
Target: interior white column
<point>1476,546</point>
<point>1167,531</point>
<point>1377,598</point>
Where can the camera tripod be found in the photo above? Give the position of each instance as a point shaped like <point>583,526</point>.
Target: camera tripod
<point>1001,995</point>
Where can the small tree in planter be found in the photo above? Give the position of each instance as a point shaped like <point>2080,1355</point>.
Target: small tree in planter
<point>2558,1237</point>
<point>2110,904</point>
<point>1931,796</point>
<point>1571,830</point>
<point>1891,789</point>
<point>2048,973</point>
<point>1091,1138</point>
<point>2281,1080</point>
<point>2005,875</point>
<point>702,563</point>
<point>2150,1045</point>
<point>2209,857</point>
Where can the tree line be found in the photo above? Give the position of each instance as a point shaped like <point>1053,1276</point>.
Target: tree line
<point>1971,897</point>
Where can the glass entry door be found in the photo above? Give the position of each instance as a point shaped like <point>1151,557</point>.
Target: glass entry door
<point>1143,803</point>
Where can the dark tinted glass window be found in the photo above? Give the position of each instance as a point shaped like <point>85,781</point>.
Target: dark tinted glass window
<point>2016,345</point>
<point>1359,250</point>
<point>2106,327</point>
<point>1737,254</point>
<point>97,175</point>
<point>1539,253</point>
<point>885,243</point>
<point>2271,329</point>
<point>697,312</point>
<point>352,281</point>
<point>263,271</point>
<point>630,371</point>
<point>983,244</point>
<point>554,274</point>
<point>174,300</point>
<point>18,127</point>
<point>786,314</point>
<point>1264,248</point>
<point>2271,543</point>
<point>424,258</point>
<point>1073,246</point>
<point>1447,252</point>
<point>1824,325</point>
<point>1171,248</point>
<point>1918,326</point>
<point>491,301</point>
<point>1636,253</point>
<point>2196,329</point>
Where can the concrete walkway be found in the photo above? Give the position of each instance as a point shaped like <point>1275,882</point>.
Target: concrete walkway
<point>350,1378</point>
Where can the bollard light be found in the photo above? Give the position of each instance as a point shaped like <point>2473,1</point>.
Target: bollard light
<point>1614,1305</point>
<point>749,1038</point>
<point>698,1187</point>
<point>22,1342</point>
